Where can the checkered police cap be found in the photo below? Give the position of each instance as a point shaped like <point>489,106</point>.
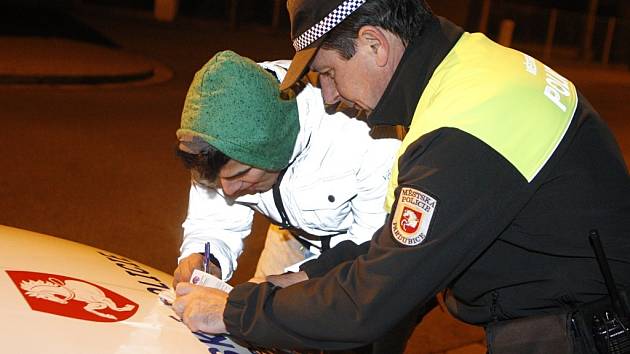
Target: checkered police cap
<point>310,21</point>
<point>326,24</point>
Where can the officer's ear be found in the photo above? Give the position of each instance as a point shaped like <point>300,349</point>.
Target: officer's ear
<point>376,42</point>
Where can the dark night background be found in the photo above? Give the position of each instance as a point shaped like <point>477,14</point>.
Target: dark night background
<point>92,160</point>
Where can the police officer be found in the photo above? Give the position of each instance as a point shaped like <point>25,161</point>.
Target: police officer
<point>503,171</point>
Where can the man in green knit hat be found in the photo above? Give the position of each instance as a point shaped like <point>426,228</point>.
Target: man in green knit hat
<point>319,178</point>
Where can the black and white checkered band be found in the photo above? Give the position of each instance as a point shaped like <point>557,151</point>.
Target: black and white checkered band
<point>326,24</point>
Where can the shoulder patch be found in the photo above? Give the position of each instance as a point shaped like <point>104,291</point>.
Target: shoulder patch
<point>414,210</point>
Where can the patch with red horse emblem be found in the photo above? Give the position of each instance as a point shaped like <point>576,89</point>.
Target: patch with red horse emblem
<point>412,218</point>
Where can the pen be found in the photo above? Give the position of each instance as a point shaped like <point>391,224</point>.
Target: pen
<point>206,258</point>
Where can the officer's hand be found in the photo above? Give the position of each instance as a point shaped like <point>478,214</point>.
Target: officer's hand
<point>200,308</point>
<point>282,280</point>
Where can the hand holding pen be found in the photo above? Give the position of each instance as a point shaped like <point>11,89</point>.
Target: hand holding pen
<point>201,261</point>
<point>188,270</point>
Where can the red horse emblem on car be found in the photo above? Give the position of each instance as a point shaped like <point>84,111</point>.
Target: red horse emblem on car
<point>71,297</point>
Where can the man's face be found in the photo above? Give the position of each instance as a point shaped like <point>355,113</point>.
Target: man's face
<point>238,179</point>
<point>356,80</point>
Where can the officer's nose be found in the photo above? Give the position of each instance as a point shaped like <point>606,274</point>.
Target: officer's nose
<point>329,90</point>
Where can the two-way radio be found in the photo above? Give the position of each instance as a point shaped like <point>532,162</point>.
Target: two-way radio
<point>611,329</point>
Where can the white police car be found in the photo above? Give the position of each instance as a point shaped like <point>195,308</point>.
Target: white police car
<point>58,296</point>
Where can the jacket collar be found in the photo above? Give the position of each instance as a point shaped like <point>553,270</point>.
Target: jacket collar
<point>422,56</point>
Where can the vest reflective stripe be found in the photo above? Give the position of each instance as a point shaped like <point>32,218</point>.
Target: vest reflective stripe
<point>522,109</point>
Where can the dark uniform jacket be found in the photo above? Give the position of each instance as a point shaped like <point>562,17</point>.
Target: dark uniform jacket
<point>503,172</point>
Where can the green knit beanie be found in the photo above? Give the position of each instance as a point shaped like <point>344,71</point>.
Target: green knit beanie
<point>235,106</point>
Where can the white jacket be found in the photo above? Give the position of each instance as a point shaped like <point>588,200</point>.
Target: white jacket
<point>337,181</point>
